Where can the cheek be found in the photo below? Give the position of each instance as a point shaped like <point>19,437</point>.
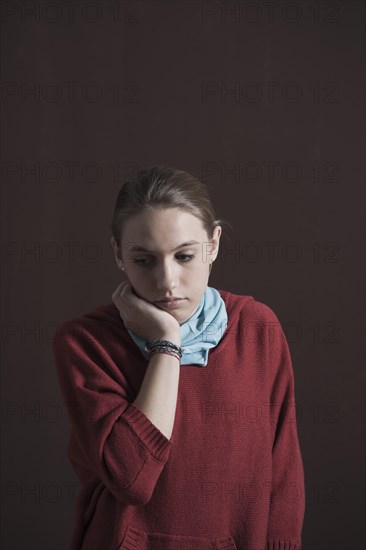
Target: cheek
<point>141,279</point>
<point>134,276</point>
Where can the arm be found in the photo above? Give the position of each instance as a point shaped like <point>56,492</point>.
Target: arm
<point>288,494</point>
<point>119,443</point>
<point>157,397</point>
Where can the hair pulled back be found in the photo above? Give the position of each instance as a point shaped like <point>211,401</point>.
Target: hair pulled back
<point>163,187</point>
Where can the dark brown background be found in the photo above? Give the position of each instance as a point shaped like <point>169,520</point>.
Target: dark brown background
<point>163,57</point>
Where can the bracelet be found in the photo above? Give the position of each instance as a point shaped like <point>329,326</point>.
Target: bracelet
<point>164,346</point>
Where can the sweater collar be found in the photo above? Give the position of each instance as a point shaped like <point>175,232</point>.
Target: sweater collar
<point>201,332</point>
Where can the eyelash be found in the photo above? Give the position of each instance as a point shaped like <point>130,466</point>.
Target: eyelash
<point>189,256</point>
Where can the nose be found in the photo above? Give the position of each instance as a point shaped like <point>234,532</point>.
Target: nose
<point>166,275</point>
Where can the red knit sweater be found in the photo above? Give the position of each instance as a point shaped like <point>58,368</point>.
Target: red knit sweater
<point>230,477</point>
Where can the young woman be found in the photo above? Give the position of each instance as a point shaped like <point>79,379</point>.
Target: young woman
<point>181,396</point>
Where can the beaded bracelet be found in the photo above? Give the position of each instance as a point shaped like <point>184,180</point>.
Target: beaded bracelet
<point>164,346</point>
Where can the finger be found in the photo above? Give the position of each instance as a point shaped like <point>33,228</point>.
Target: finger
<point>121,286</point>
<point>125,287</point>
<point>118,290</point>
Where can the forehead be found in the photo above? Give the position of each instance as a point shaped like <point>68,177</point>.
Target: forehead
<point>152,221</point>
<point>168,229</point>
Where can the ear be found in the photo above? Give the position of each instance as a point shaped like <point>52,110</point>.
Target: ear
<point>215,242</point>
<point>117,253</point>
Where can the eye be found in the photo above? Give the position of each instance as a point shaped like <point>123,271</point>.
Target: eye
<point>183,257</point>
<point>187,256</point>
<point>140,261</point>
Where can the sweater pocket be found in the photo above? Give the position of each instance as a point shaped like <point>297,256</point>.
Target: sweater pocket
<point>137,539</point>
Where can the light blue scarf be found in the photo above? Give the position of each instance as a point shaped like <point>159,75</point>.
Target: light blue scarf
<point>200,332</point>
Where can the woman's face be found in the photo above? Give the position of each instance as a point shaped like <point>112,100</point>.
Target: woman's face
<point>166,268</point>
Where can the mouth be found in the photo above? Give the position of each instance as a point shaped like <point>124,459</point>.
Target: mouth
<point>171,303</point>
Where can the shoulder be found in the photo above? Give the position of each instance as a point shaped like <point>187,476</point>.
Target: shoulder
<point>90,325</point>
<point>254,320</point>
<point>248,307</point>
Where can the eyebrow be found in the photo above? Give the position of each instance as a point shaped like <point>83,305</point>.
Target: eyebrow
<point>137,248</point>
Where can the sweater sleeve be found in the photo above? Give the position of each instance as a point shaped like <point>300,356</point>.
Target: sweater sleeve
<point>287,494</point>
<point>115,439</point>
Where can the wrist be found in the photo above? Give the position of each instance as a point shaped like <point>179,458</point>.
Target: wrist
<point>172,337</point>
<point>168,345</point>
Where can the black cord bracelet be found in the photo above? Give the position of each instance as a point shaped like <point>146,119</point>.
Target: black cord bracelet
<point>164,346</point>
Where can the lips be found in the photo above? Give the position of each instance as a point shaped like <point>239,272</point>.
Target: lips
<point>170,303</point>
<point>172,299</point>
